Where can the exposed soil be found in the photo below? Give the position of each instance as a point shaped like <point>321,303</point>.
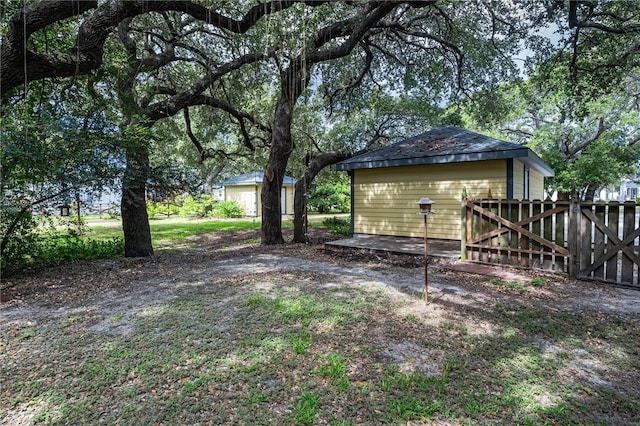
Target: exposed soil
<point>110,296</point>
<point>105,283</point>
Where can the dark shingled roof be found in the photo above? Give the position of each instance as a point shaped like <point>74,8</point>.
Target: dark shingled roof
<point>447,144</point>
<point>254,178</point>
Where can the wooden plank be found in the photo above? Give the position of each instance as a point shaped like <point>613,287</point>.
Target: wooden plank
<point>503,239</point>
<point>486,228</point>
<point>494,207</point>
<point>585,239</point>
<point>613,223</point>
<point>514,237</point>
<point>598,239</point>
<point>469,225</point>
<point>525,257</point>
<point>524,232</point>
<point>572,239</point>
<point>547,225</point>
<point>560,225</point>
<point>463,229</point>
<point>628,225</point>
<point>620,245</point>
<point>498,249</point>
<point>482,226</point>
<point>536,228</point>
<point>477,229</point>
<point>522,223</point>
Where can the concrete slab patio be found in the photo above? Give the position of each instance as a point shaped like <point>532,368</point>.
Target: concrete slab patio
<point>446,249</point>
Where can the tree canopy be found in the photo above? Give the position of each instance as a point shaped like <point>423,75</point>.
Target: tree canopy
<point>298,85</point>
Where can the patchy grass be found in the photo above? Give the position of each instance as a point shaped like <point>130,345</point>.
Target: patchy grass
<point>165,231</point>
<point>307,348</point>
<point>169,230</point>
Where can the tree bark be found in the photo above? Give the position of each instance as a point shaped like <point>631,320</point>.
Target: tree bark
<point>293,81</point>
<point>317,162</point>
<point>590,192</point>
<point>135,220</point>
<point>281,147</point>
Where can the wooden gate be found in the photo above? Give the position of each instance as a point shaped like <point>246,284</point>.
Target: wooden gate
<point>596,241</point>
<point>608,242</point>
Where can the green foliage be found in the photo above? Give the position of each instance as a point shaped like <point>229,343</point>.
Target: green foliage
<point>589,141</point>
<point>53,147</point>
<point>337,226</point>
<point>157,208</point>
<point>53,244</point>
<point>331,197</point>
<point>199,206</point>
<point>306,408</point>
<point>602,163</point>
<point>23,241</point>
<point>227,209</point>
<point>190,206</point>
<point>538,282</point>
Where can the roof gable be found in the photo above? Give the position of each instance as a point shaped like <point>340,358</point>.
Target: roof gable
<point>447,144</point>
<point>254,178</point>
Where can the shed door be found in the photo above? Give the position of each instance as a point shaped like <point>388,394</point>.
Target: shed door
<point>283,200</point>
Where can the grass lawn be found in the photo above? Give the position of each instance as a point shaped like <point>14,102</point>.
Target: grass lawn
<point>166,230</point>
<point>191,338</point>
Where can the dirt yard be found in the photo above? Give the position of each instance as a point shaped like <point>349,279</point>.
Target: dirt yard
<point>109,296</point>
<point>239,252</point>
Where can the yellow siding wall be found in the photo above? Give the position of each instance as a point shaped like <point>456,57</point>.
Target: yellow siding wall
<point>289,191</point>
<point>385,198</point>
<point>518,180</point>
<point>245,195</point>
<point>536,185</point>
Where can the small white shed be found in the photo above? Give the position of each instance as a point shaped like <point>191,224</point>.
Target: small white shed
<point>247,191</point>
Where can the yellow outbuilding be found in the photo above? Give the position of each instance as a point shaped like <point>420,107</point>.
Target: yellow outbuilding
<point>246,190</point>
<point>441,164</point>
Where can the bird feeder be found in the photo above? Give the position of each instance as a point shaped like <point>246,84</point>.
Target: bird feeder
<point>425,206</point>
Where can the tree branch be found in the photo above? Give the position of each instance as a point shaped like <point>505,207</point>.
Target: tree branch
<point>87,54</point>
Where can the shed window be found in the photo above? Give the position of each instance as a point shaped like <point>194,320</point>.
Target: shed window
<point>526,183</point>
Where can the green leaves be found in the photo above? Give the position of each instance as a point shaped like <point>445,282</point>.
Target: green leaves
<point>331,197</point>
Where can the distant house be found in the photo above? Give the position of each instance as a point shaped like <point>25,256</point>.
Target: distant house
<point>438,164</point>
<point>247,191</point>
<point>629,190</point>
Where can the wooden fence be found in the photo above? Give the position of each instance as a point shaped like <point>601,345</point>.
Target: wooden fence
<point>597,241</point>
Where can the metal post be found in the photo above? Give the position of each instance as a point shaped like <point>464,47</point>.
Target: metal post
<point>426,263</point>
<point>425,210</point>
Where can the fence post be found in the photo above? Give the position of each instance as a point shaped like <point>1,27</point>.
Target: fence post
<point>463,226</point>
<point>572,238</point>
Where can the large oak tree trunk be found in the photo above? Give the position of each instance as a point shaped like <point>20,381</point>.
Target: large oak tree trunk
<point>293,81</point>
<point>135,221</point>
<point>317,162</point>
<point>281,147</point>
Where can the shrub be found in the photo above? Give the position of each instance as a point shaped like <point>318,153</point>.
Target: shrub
<point>337,226</point>
<point>227,209</point>
<point>22,241</point>
<point>190,207</point>
<point>113,214</point>
<point>330,197</point>
<point>52,246</point>
<point>160,208</point>
<point>196,206</point>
